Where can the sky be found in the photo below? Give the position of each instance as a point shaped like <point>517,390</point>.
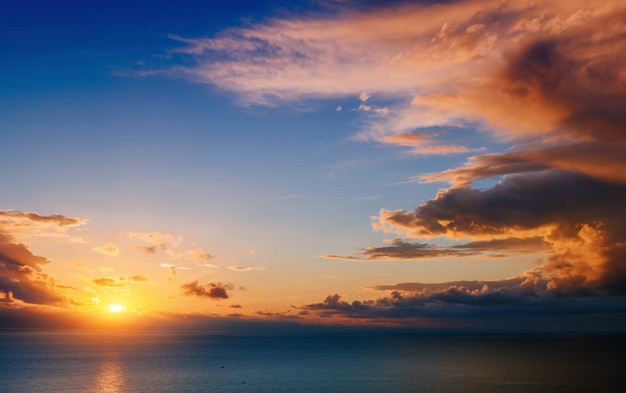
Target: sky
<point>422,165</point>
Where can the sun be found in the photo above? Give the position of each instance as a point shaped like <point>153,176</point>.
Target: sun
<point>115,308</point>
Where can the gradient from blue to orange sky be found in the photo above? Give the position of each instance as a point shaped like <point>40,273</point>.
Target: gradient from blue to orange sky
<point>422,164</point>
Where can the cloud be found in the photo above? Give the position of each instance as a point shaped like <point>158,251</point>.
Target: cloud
<point>21,276</point>
<point>18,218</point>
<point>168,243</point>
<point>424,143</point>
<point>594,159</point>
<point>107,282</point>
<point>458,305</point>
<point>511,244</point>
<point>108,249</point>
<point>402,250</point>
<point>480,301</point>
<point>155,240</point>
<point>214,290</point>
<point>581,218</point>
<point>244,268</point>
<point>516,68</point>
<point>173,275</point>
<point>235,268</point>
<point>119,281</point>
<point>472,286</point>
<point>398,250</point>
<point>196,255</point>
<point>370,108</point>
<point>351,53</point>
<point>137,278</point>
<point>285,315</point>
<point>27,224</point>
<point>545,78</point>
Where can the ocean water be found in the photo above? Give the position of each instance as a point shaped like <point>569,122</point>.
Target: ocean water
<point>311,363</point>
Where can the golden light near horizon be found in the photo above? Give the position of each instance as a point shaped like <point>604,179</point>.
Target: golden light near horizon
<point>116,308</point>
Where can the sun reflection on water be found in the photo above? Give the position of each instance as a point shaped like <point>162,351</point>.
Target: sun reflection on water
<point>110,378</point>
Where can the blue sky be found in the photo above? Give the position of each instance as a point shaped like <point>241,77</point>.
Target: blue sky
<point>301,157</point>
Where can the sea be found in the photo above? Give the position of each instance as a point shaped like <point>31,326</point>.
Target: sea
<point>329,363</point>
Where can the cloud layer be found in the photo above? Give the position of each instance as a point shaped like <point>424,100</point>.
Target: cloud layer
<point>548,78</point>
<point>517,69</point>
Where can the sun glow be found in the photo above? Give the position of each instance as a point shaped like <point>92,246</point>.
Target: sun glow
<point>115,308</point>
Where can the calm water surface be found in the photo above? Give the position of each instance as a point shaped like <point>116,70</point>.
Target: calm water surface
<point>313,363</point>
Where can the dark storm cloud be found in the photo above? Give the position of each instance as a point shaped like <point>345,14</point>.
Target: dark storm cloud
<point>213,290</point>
<point>516,204</point>
<point>583,219</point>
<point>458,302</point>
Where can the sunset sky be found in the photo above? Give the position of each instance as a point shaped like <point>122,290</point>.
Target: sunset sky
<point>436,165</point>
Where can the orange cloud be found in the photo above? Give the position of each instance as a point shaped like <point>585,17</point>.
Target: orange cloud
<point>425,143</point>
<point>107,282</point>
<point>27,224</point>
<point>169,244</point>
<point>118,282</point>
<point>196,255</point>
<point>546,77</point>
<point>155,240</point>
<point>108,249</point>
<point>518,67</point>
<point>21,277</point>
<point>580,217</point>
<point>599,160</point>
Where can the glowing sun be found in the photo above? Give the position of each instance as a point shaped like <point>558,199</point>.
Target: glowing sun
<point>115,308</point>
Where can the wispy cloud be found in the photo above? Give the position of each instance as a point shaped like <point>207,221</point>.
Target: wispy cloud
<point>516,69</point>
<point>399,249</point>
<point>22,225</point>
<point>243,268</point>
<point>108,249</point>
<point>117,282</point>
<point>170,244</point>
<point>425,143</point>
<point>236,268</point>
<point>155,241</point>
<point>196,255</point>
